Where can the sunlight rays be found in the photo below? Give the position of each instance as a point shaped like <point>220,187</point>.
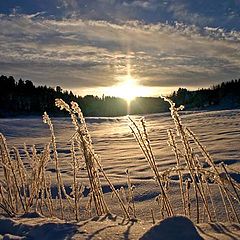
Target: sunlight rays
<point>128,87</point>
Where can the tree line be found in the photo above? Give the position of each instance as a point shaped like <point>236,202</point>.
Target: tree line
<point>224,96</point>
<point>18,97</point>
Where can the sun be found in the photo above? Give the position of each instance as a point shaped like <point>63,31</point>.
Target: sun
<point>127,88</point>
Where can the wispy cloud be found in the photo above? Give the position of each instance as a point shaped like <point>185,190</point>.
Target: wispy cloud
<point>80,54</point>
<point>146,5</point>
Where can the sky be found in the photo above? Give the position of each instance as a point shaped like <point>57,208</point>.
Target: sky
<point>88,46</point>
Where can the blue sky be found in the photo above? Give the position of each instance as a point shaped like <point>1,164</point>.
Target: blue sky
<point>85,45</point>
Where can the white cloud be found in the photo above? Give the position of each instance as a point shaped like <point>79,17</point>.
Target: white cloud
<point>147,5</point>
<point>87,54</point>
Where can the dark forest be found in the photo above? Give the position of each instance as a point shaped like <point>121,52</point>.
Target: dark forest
<point>22,98</point>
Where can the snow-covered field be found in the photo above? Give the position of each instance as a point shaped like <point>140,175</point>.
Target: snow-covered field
<point>219,131</point>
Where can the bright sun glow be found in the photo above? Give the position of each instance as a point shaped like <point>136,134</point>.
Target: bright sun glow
<point>128,88</point>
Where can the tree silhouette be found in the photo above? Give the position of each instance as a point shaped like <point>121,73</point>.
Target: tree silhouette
<point>23,98</point>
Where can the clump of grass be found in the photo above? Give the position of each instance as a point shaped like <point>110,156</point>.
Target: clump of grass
<point>223,183</point>
<point>83,138</point>
<point>144,144</point>
<point>183,143</point>
<point>23,190</point>
<point>11,185</point>
<point>20,191</point>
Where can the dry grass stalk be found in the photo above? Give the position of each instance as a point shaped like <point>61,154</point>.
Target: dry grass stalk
<point>60,185</point>
<point>74,186</point>
<point>42,161</point>
<point>89,204</point>
<point>4,205</point>
<point>230,180</point>
<point>47,120</point>
<point>84,139</point>
<point>131,203</point>
<point>10,164</point>
<point>224,203</point>
<point>153,218</point>
<point>173,144</point>
<point>45,190</point>
<point>7,174</point>
<point>21,175</point>
<point>115,192</point>
<point>77,189</point>
<point>209,192</point>
<point>144,144</point>
<point>188,155</point>
<point>49,195</point>
<point>218,179</point>
<point>159,201</point>
<point>188,200</point>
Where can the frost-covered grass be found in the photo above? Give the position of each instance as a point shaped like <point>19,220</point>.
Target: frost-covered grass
<point>190,183</point>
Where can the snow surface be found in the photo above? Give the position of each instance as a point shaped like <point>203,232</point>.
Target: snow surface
<point>114,228</point>
<point>219,131</point>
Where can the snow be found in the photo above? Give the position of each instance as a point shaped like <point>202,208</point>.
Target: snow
<point>112,227</point>
<point>219,131</point>
<point>172,228</point>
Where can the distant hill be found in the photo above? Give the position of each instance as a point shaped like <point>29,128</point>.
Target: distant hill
<point>23,98</point>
